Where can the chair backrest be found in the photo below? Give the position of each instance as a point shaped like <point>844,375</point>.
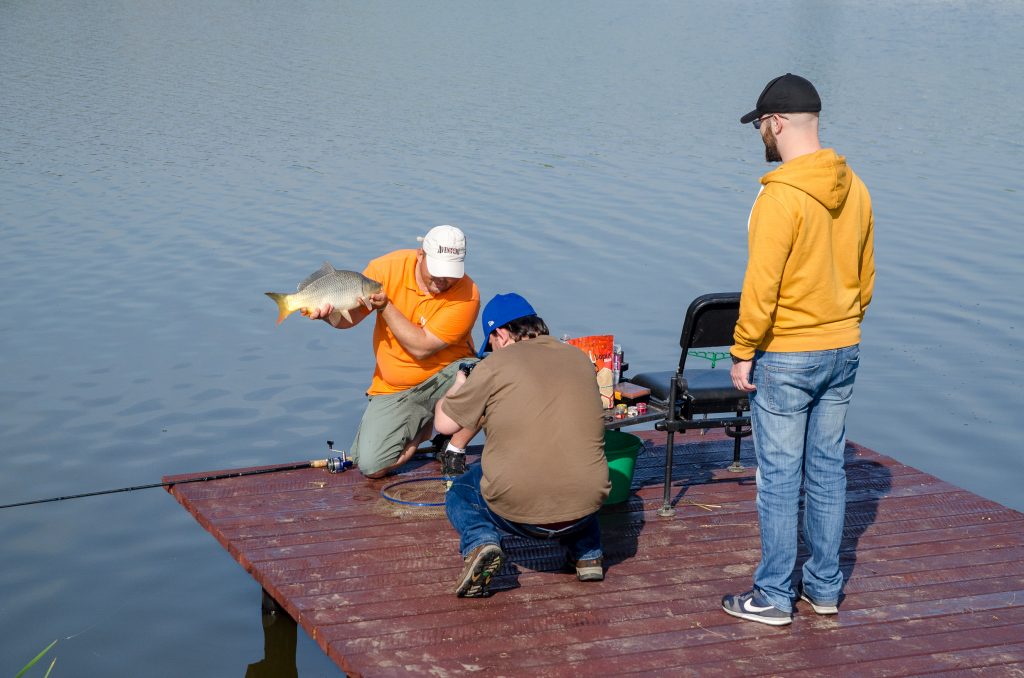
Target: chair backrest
<point>710,321</point>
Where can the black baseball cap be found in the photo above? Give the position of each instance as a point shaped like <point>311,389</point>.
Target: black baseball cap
<point>785,94</point>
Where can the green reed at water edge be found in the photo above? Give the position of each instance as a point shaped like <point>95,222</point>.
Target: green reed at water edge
<point>39,656</point>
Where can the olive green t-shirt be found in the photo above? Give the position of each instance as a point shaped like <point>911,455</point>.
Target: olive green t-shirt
<point>543,459</point>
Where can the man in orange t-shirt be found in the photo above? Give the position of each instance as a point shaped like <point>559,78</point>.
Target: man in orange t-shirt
<point>425,316</point>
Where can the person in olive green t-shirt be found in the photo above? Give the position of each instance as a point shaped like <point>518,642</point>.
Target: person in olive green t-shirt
<point>543,473</point>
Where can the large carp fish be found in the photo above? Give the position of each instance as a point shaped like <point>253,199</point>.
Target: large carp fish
<point>340,289</point>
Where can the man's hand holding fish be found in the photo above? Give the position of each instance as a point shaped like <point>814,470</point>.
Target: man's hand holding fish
<point>328,314</point>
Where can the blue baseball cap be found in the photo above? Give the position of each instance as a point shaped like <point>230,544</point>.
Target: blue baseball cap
<point>503,308</point>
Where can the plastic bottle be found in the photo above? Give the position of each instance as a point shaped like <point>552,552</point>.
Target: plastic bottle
<point>616,364</point>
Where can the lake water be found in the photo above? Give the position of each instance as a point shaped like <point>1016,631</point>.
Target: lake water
<point>163,164</point>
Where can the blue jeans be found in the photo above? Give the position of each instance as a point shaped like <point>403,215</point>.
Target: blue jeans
<point>477,524</point>
<point>798,415</point>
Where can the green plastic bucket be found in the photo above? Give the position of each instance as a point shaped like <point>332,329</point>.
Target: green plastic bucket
<point>621,450</point>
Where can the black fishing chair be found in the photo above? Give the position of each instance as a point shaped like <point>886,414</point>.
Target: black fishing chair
<point>700,398</point>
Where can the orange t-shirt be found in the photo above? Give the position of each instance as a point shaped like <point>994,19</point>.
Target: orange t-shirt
<point>449,316</point>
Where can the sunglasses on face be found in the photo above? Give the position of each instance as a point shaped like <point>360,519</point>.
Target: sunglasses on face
<point>757,123</point>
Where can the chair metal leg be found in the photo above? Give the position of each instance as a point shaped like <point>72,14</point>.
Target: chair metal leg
<point>736,466</point>
<point>666,510</point>
<point>737,436</point>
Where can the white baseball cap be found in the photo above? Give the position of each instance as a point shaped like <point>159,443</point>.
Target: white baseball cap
<point>445,248</point>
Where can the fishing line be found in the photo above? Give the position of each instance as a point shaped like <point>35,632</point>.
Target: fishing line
<point>332,464</point>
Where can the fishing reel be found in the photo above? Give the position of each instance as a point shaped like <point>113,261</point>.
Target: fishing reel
<point>338,464</point>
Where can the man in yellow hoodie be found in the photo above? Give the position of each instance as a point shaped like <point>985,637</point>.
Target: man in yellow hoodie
<point>810,276</point>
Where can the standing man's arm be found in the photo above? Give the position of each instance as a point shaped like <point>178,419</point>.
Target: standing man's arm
<point>867,267</point>
<point>740,374</point>
<point>769,242</point>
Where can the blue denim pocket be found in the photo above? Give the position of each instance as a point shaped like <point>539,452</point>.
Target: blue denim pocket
<point>852,363</point>
<point>843,388</point>
<point>785,381</point>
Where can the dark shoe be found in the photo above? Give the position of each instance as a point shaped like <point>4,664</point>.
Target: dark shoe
<point>452,463</point>
<point>440,442</point>
<point>820,606</point>
<point>482,563</point>
<point>753,607</point>
<point>590,570</point>
<point>434,449</point>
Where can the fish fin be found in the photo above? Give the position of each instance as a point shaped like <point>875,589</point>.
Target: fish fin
<point>345,314</point>
<point>282,305</point>
<point>325,269</point>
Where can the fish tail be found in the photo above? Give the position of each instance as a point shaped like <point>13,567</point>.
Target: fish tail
<point>282,305</point>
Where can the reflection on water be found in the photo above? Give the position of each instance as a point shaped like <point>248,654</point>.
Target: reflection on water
<point>280,633</point>
<point>166,163</point>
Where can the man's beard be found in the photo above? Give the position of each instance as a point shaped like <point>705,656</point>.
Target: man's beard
<point>771,146</point>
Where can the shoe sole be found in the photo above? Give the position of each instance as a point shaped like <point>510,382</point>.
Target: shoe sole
<point>819,608</point>
<point>590,574</point>
<point>755,618</point>
<point>478,579</point>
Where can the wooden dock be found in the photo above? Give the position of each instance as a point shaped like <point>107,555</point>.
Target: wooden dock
<point>935,577</point>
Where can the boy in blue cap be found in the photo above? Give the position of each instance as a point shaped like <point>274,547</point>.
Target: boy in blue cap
<point>543,473</point>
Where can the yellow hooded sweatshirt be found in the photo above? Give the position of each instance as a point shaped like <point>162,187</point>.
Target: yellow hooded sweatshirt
<point>811,267</point>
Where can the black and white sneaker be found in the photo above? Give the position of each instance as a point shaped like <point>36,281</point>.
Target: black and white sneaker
<point>820,606</point>
<point>752,607</point>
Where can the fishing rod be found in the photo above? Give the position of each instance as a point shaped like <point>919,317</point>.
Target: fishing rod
<point>332,464</point>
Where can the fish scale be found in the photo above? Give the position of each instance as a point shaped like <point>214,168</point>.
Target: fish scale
<point>327,285</point>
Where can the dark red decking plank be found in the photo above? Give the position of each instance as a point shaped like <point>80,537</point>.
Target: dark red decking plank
<point>935,577</point>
